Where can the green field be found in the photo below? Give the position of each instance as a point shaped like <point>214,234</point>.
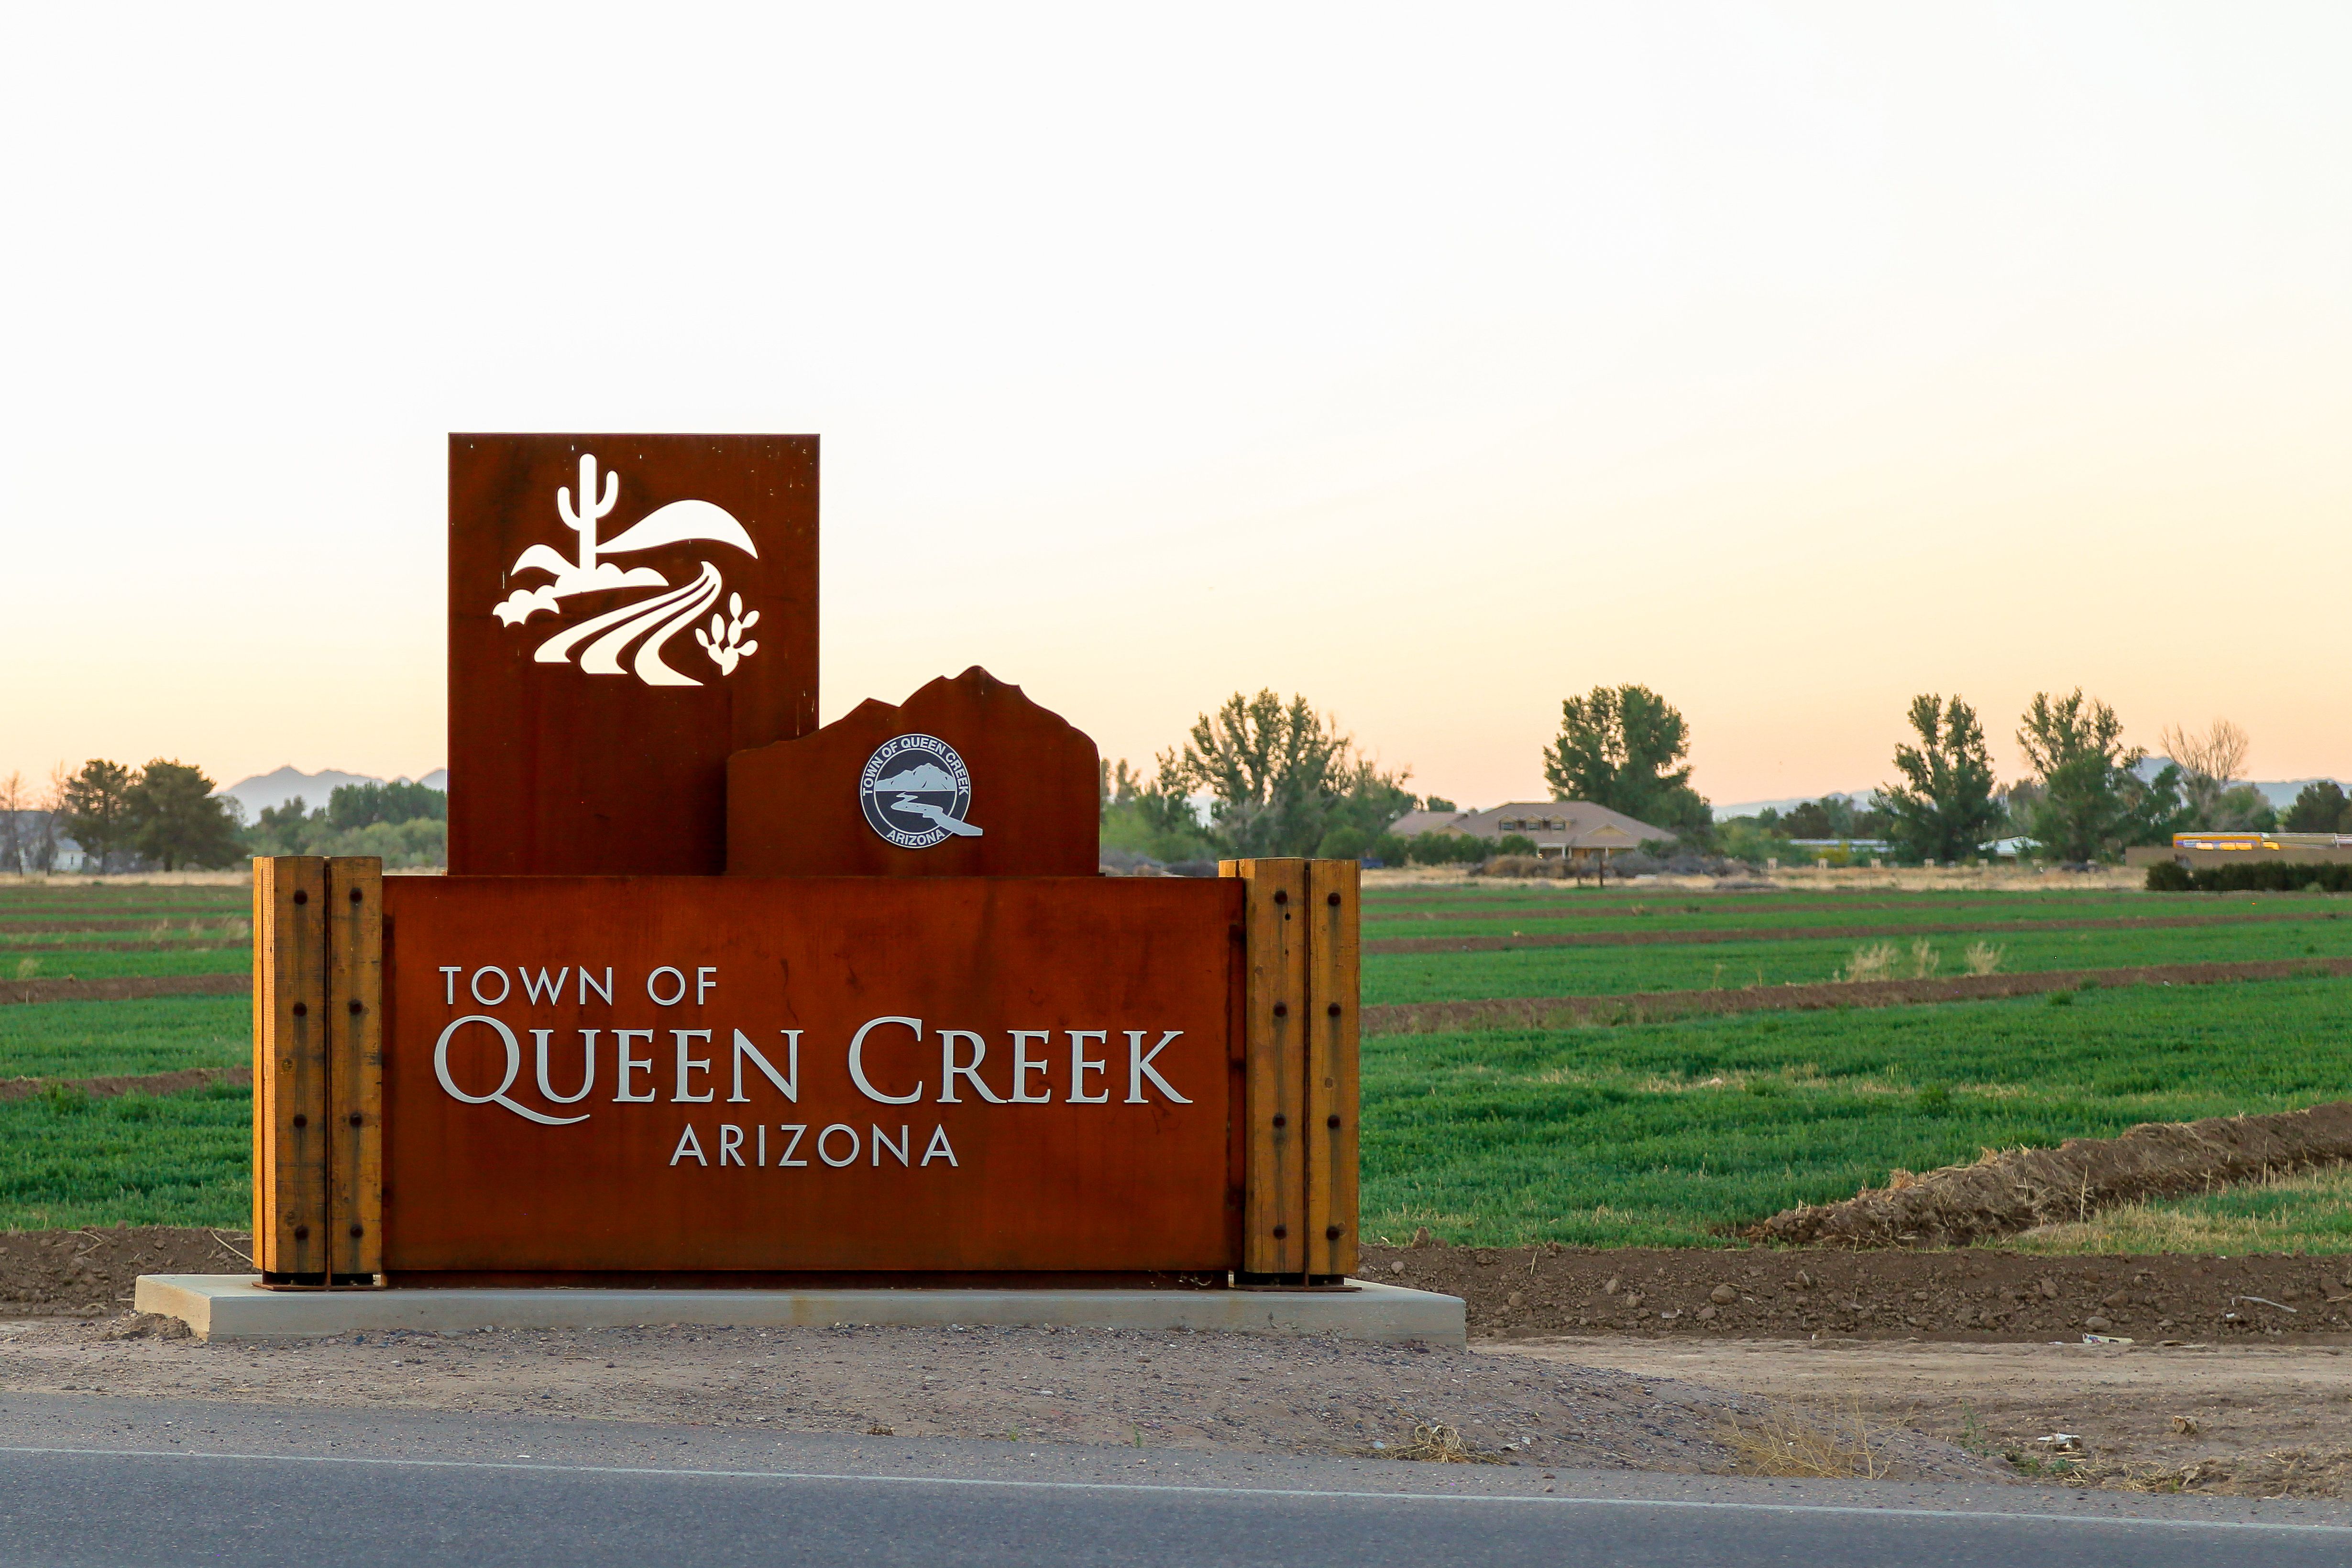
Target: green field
<point>1667,1134</point>
<point>180,1159</point>
<point>1662,1134</point>
<point>103,1040</point>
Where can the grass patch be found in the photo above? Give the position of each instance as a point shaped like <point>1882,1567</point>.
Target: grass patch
<point>98,1039</point>
<point>68,1160</point>
<point>2311,1212</point>
<point>1661,1134</point>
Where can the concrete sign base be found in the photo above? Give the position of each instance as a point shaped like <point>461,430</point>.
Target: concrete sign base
<point>233,1306</point>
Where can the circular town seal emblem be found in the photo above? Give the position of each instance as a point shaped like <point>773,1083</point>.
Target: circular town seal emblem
<point>915,791</point>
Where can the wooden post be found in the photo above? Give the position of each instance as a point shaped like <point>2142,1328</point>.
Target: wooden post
<point>1300,1011</point>
<point>1274,1005</point>
<point>1334,996</point>
<point>290,1069</point>
<point>318,1053</point>
<point>355,1068</point>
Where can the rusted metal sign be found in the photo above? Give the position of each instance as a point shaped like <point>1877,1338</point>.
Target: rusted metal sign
<point>913,1035</point>
<point>966,777</point>
<point>625,612</point>
<point>830,1074</point>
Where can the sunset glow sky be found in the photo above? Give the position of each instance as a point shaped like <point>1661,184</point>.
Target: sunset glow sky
<point>1435,365</point>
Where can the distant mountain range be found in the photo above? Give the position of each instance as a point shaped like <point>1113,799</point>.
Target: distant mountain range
<point>271,790</point>
<point>2279,792</point>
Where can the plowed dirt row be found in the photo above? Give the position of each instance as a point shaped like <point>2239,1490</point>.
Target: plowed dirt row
<point>123,987</point>
<point>1794,932</point>
<point>178,1082</point>
<point>1649,1007</point>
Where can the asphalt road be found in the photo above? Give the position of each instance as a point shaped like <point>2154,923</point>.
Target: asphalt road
<point>92,1480</point>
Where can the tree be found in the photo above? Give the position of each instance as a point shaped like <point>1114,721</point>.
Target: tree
<point>2319,808</point>
<point>1617,747</point>
<point>363,805</point>
<point>1279,777</point>
<point>93,809</point>
<point>2091,803</point>
<point>2207,763</point>
<point>13,828</point>
<point>176,819</point>
<point>1139,816</point>
<point>1944,809</point>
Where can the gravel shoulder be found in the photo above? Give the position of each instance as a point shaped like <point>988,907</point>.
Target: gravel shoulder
<point>1229,1393</point>
<point>2246,1420</point>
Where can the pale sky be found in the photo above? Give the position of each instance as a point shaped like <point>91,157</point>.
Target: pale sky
<point>1436,363</point>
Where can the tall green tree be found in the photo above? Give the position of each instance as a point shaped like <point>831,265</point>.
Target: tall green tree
<point>1280,776</point>
<point>361,805</point>
<point>93,809</point>
<point>2091,803</point>
<point>1617,747</point>
<point>176,819</point>
<point>2319,807</point>
<point>1944,809</point>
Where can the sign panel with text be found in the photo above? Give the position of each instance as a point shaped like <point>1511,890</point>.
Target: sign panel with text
<point>1017,1074</point>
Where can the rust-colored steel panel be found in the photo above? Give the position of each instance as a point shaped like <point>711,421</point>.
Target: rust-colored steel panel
<point>1275,1032</point>
<point>354,921</point>
<point>609,652</point>
<point>289,1064</point>
<point>1014,791</point>
<point>1107,1149</point>
<point>1333,1014</point>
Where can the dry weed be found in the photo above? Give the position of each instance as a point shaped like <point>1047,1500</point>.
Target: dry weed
<point>2282,1472</point>
<point>1925,959</point>
<point>1984,958</point>
<point>1433,1442</point>
<point>27,967</point>
<point>1874,962</point>
<point>1795,1441</point>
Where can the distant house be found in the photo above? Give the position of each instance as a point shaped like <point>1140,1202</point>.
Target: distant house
<point>28,845</point>
<point>1574,829</point>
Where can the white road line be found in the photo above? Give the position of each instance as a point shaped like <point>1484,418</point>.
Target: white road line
<point>658,1472</point>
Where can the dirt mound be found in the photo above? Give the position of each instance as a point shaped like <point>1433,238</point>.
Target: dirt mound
<point>89,1273</point>
<point>2017,1189</point>
<point>1651,1007</point>
<point>1978,1295</point>
<point>178,1082</point>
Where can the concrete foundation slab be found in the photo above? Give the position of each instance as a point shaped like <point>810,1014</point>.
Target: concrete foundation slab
<point>234,1306</point>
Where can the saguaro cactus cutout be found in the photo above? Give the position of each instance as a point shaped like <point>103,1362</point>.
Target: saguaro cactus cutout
<point>649,622</point>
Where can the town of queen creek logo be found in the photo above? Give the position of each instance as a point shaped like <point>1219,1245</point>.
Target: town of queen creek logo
<point>603,639</point>
<point>915,791</point>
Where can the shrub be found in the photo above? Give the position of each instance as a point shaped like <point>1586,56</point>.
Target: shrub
<point>2250,876</point>
<point>1344,843</point>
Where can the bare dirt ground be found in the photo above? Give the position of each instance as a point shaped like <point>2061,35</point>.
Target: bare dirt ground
<point>1229,1392</point>
<point>2255,1420</point>
<point>1972,1295</point>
